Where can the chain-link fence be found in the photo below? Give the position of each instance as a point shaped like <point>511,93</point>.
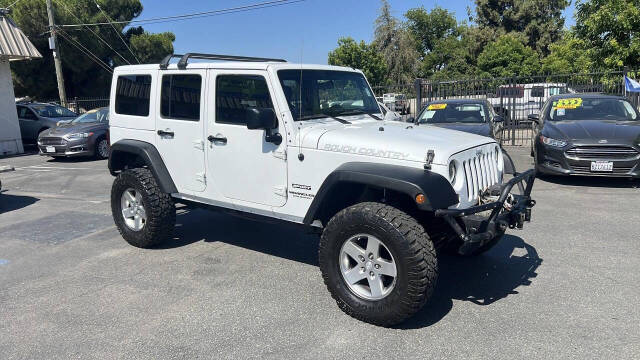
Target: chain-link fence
<point>515,98</point>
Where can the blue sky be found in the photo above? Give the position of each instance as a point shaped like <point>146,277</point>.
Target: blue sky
<point>306,30</point>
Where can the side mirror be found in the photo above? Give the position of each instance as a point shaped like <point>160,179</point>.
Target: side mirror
<point>534,118</point>
<point>498,119</point>
<point>261,119</point>
<point>411,120</point>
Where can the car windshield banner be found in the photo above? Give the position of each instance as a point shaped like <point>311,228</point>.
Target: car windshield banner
<point>631,85</point>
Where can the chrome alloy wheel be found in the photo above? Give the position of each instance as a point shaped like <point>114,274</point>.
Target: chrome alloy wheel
<point>367,267</point>
<point>135,217</point>
<point>103,148</point>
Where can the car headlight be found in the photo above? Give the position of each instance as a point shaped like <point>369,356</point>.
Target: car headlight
<point>552,142</point>
<point>453,170</point>
<point>76,136</point>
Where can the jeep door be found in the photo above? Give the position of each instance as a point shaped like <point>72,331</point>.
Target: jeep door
<point>244,166</point>
<point>180,127</point>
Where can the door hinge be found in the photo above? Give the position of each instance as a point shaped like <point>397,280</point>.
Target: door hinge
<point>201,177</point>
<point>198,144</point>
<point>281,154</point>
<point>280,190</point>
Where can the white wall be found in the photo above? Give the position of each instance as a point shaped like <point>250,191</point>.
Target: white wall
<point>10,140</point>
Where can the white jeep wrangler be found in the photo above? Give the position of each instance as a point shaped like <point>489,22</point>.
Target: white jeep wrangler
<point>306,144</point>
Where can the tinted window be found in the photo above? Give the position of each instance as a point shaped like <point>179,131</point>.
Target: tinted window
<point>25,113</point>
<point>452,113</point>
<point>537,91</point>
<point>511,92</point>
<point>180,97</point>
<point>132,95</point>
<point>236,93</point>
<point>52,111</point>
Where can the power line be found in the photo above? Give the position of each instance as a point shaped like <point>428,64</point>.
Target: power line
<point>93,32</point>
<point>85,51</point>
<point>256,6</point>
<point>117,31</point>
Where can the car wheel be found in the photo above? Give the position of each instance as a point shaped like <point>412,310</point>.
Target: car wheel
<point>102,149</point>
<point>378,263</point>
<point>145,216</point>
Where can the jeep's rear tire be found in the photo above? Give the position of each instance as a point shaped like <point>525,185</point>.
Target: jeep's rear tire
<point>144,215</point>
<point>402,242</point>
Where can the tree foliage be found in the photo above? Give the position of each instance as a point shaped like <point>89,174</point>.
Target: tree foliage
<point>569,55</point>
<point>359,56</point>
<point>611,28</point>
<point>508,56</point>
<point>83,77</point>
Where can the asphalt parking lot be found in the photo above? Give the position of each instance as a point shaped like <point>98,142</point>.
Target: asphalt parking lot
<point>564,287</point>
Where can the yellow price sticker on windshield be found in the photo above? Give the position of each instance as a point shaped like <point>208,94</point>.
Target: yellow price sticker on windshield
<point>437,107</point>
<point>571,103</point>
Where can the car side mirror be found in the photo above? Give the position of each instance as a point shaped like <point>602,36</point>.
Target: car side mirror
<point>261,119</point>
<point>498,119</point>
<point>534,118</point>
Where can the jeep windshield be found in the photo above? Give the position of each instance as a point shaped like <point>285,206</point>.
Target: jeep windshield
<point>591,108</point>
<point>437,113</point>
<point>326,93</point>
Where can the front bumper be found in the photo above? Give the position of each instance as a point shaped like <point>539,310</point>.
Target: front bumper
<point>65,148</point>
<point>555,161</point>
<point>475,229</point>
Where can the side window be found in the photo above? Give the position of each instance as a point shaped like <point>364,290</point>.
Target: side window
<point>132,95</point>
<point>236,93</point>
<point>180,97</point>
<point>537,91</point>
<point>26,113</point>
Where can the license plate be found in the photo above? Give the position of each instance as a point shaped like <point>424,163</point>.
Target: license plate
<point>51,149</point>
<point>602,166</point>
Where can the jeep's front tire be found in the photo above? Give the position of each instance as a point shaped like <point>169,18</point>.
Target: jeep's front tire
<point>144,215</point>
<point>362,283</point>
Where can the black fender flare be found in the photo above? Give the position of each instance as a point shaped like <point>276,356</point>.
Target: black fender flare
<point>148,154</point>
<point>407,180</point>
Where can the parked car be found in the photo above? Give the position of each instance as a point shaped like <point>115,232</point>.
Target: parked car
<point>471,115</point>
<point>388,114</point>
<point>587,134</point>
<point>35,118</point>
<point>396,102</point>
<point>85,136</point>
<point>517,102</point>
<point>201,135</point>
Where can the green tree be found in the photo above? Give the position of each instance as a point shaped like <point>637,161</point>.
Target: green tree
<point>396,45</point>
<point>508,56</point>
<point>83,77</point>
<point>611,28</point>
<point>430,27</point>
<point>568,55</point>
<point>540,21</point>
<point>359,56</point>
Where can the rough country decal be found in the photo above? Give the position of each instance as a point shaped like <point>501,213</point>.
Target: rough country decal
<point>366,151</point>
<point>300,186</point>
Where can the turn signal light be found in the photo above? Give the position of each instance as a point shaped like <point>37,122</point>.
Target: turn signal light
<point>420,199</point>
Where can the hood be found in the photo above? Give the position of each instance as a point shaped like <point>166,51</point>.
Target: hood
<point>388,139</point>
<point>483,129</point>
<point>69,128</point>
<point>620,132</point>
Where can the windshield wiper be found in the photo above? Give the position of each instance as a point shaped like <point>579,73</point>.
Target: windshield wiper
<point>358,112</point>
<point>319,116</point>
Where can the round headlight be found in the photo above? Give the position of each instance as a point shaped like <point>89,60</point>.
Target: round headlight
<point>452,171</point>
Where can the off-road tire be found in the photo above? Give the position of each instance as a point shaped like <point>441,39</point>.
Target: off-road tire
<point>159,207</point>
<point>410,246</point>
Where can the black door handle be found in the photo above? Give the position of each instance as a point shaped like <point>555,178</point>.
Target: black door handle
<point>212,138</point>
<point>165,133</point>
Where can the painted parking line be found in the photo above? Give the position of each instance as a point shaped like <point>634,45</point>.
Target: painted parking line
<point>49,168</point>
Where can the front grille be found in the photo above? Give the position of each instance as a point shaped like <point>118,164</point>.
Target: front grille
<point>617,170</point>
<point>481,172</point>
<point>52,141</point>
<point>602,152</point>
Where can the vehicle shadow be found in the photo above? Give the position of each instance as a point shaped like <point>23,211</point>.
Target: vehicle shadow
<point>481,280</point>
<point>15,202</point>
<point>75,159</point>
<point>594,181</point>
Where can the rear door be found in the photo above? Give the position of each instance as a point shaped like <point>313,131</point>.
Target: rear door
<point>29,124</point>
<point>180,127</point>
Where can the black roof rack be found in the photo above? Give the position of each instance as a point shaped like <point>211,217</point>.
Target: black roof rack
<point>184,59</point>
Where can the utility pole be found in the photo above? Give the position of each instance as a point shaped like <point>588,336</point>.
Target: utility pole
<point>53,44</point>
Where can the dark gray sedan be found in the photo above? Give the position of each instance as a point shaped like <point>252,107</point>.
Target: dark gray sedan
<point>468,115</point>
<point>85,136</point>
<point>35,118</point>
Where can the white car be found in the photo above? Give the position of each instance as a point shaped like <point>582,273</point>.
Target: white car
<point>518,101</point>
<point>306,144</point>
